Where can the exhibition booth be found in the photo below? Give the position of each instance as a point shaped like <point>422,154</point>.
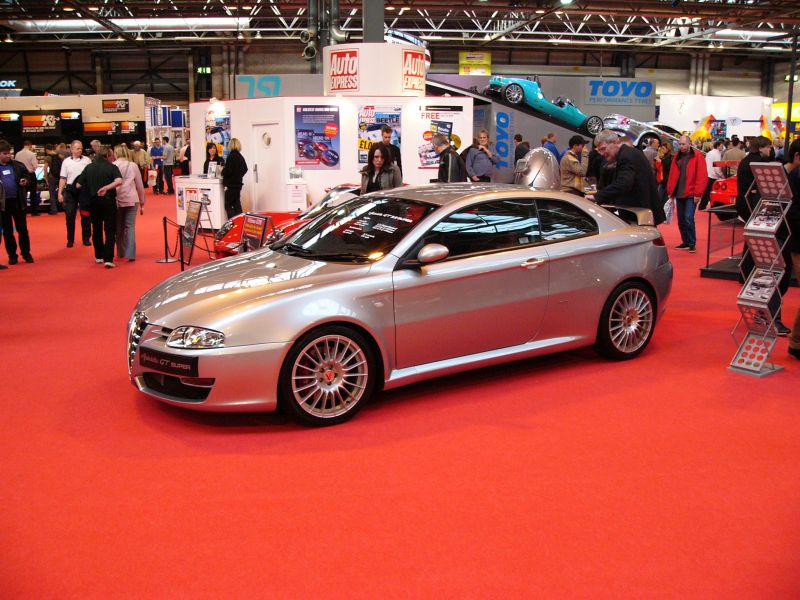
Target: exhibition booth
<point>297,142</point>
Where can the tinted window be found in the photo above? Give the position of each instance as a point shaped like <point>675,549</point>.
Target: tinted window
<point>486,227</point>
<point>561,220</point>
<point>359,230</point>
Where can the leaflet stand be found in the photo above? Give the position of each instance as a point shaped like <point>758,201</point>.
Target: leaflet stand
<point>760,300</point>
<point>194,222</point>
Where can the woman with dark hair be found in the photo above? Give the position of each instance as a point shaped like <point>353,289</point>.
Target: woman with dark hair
<point>380,173</point>
<point>212,157</point>
<point>232,178</point>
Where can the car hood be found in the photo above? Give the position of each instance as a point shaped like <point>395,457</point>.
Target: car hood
<point>210,295</point>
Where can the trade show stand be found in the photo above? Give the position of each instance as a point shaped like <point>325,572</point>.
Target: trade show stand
<point>207,190</point>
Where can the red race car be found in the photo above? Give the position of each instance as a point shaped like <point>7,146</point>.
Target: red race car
<point>227,240</point>
<point>724,190</point>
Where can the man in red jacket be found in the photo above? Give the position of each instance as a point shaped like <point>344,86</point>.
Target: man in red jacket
<point>687,181</point>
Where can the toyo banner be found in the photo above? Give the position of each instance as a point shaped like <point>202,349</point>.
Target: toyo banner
<point>618,91</point>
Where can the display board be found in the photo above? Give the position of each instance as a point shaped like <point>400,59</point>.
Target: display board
<point>190,227</point>
<point>254,231</point>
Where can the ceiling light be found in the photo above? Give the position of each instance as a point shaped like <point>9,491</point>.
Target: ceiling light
<point>240,36</point>
<point>9,39</point>
<point>389,8</point>
<point>540,11</point>
<point>68,8</point>
<point>247,7</point>
<point>93,8</point>
<point>258,35</point>
<point>566,2</point>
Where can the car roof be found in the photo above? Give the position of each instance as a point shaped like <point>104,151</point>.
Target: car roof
<point>442,194</point>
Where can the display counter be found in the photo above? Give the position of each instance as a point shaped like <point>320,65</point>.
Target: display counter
<point>206,189</point>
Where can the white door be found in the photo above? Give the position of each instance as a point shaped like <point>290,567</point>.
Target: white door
<point>267,187</point>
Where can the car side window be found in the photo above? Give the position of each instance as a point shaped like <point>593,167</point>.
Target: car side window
<point>560,220</point>
<point>487,227</point>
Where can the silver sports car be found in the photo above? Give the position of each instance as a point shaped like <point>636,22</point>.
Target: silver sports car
<point>395,287</point>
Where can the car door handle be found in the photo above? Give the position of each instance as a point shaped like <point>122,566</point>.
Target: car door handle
<point>532,263</point>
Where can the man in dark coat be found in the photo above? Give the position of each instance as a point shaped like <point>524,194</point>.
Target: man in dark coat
<point>451,166</point>
<point>634,181</point>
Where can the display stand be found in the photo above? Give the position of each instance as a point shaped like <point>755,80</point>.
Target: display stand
<point>760,300</point>
<point>193,223</point>
<point>720,219</point>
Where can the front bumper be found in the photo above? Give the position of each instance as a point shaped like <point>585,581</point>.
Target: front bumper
<point>237,379</point>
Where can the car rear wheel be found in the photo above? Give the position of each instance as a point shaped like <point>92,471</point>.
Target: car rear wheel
<point>513,93</point>
<point>627,322</point>
<point>645,141</point>
<point>594,125</point>
<point>327,376</point>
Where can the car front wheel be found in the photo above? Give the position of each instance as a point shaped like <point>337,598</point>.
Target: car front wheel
<point>627,322</point>
<point>594,125</point>
<point>327,376</point>
<point>513,93</point>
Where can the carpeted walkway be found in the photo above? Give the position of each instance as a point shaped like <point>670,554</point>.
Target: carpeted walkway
<point>569,476</point>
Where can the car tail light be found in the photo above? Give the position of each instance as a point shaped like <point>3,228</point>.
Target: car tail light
<point>717,186</point>
<point>659,241</point>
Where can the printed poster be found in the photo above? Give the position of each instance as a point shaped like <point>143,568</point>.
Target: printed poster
<point>440,120</point>
<point>317,140</point>
<point>370,121</point>
<point>254,228</point>
<point>218,130</point>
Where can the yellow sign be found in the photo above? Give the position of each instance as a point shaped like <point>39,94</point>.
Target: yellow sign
<point>779,111</point>
<point>474,63</point>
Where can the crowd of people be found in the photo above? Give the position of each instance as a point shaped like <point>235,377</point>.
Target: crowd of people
<point>103,187</point>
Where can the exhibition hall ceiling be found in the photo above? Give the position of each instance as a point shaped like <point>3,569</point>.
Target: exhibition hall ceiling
<point>737,26</point>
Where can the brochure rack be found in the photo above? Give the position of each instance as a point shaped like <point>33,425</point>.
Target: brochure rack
<point>760,300</point>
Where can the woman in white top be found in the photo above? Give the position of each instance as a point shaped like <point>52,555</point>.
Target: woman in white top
<point>130,197</point>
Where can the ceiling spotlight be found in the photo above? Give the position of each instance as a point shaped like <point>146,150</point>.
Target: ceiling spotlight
<point>258,35</point>
<point>139,36</point>
<point>240,36</point>
<point>566,2</point>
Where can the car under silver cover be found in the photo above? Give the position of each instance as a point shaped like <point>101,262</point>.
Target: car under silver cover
<point>396,287</point>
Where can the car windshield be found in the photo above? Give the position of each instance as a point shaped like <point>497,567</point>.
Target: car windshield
<point>333,198</point>
<point>361,230</point>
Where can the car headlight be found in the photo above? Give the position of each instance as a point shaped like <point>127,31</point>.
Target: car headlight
<point>195,337</point>
<point>222,231</point>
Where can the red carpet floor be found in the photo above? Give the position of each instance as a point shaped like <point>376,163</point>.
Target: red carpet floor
<point>569,476</point>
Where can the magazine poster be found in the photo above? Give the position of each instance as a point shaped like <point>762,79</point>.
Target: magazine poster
<point>440,120</point>
<point>190,226</point>
<point>254,228</point>
<point>317,139</point>
<point>218,131</point>
<point>370,121</point>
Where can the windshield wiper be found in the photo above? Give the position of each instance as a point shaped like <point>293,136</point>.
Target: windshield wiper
<point>345,256</point>
<point>291,248</point>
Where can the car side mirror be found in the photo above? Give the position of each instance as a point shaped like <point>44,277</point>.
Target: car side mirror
<point>431,253</point>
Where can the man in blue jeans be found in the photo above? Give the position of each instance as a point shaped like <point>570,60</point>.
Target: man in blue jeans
<point>687,182</point>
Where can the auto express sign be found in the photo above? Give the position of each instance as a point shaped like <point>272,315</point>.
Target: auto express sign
<point>619,92</point>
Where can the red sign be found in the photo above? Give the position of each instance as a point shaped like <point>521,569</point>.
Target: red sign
<point>413,70</point>
<point>344,70</point>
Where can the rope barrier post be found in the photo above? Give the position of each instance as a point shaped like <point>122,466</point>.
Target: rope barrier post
<point>180,245</point>
<point>166,258</point>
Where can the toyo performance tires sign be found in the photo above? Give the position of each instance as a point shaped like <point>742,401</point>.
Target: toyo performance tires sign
<point>618,91</point>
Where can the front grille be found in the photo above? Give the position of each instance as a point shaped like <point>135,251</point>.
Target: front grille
<point>137,327</point>
<point>171,386</point>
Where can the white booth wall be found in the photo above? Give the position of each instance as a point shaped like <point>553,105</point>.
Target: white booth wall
<point>683,111</point>
<point>251,119</point>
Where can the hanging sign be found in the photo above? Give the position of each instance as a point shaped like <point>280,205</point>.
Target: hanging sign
<point>116,106</point>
